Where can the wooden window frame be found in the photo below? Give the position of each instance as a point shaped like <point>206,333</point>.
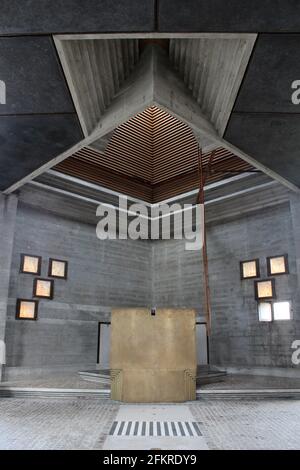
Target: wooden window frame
<point>35,282</point>
<point>38,273</point>
<point>256,260</point>
<point>286,262</point>
<point>18,305</point>
<point>273,297</point>
<point>50,268</point>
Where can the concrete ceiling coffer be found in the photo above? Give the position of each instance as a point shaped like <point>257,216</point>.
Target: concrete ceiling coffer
<point>194,80</point>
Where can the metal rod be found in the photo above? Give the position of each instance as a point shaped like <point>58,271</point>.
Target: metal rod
<point>200,200</point>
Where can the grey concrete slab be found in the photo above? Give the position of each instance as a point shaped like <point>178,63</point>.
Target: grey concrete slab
<point>69,16</point>
<point>233,16</point>
<point>271,139</point>
<point>33,76</point>
<point>273,67</point>
<point>26,142</point>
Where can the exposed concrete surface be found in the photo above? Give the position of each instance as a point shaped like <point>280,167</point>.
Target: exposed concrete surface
<point>100,275</point>
<point>66,424</point>
<point>8,208</point>
<point>249,425</point>
<point>54,424</point>
<point>133,273</point>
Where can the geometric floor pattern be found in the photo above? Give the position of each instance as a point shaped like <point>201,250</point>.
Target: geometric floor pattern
<point>155,428</point>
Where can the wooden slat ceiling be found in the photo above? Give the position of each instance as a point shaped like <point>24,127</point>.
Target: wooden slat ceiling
<point>153,156</point>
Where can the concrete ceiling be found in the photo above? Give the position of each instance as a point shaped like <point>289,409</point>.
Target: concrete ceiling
<point>41,124</point>
<point>153,155</point>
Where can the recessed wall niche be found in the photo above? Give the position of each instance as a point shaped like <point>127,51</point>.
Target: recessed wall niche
<point>58,268</point>
<point>249,269</point>
<point>26,309</point>
<point>265,289</point>
<point>30,264</point>
<point>43,288</point>
<point>277,265</point>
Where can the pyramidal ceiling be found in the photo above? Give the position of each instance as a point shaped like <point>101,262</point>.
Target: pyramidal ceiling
<point>147,106</point>
<point>153,156</point>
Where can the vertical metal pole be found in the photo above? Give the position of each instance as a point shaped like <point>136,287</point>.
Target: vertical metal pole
<point>207,301</point>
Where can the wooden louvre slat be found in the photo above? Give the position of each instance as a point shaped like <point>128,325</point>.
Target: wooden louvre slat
<point>153,156</point>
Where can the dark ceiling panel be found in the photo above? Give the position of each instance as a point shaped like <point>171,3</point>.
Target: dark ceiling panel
<point>273,140</point>
<point>34,80</point>
<point>229,16</point>
<point>27,142</point>
<point>75,16</point>
<point>273,67</point>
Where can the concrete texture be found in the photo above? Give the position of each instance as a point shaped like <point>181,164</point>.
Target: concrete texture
<point>267,85</point>
<point>55,424</point>
<point>86,424</point>
<point>69,16</point>
<point>8,208</point>
<point>233,16</point>
<point>122,273</point>
<point>249,425</point>
<point>52,134</point>
<point>254,231</point>
<point>33,76</point>
<point>100,275</point>
<point>267,137</point>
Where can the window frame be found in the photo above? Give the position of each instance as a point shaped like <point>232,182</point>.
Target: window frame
<point>18,305</point>
<point>253,260</point>
<point>50,268</point>
<point>32,273</point>
<point>272,302</point>
<point>273,289</point>
<point>286,262</point>
<point>35,283</point>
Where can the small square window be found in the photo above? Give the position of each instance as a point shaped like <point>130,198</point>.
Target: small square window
<point>274,311</point>
<point>58,268</point>
<point>249,269</point>
<point>277,265</point>
<point>282,310</point>
<point>26,309</point>
<point>43,288</point>
<point>265,289</point>
<point>265,311</point>
<point>30,264</point>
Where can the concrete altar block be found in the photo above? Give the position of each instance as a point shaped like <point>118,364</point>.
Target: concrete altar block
<point>153,357</point>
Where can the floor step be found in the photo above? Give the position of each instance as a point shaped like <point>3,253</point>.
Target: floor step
<point>104,394</point>
<point>251,394</point>
<point>22,392</point>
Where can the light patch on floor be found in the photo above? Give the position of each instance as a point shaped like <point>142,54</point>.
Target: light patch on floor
<point>155,427</point>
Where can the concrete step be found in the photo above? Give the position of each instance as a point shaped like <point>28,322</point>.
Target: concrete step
<point>104,394</point>
<point>101,376</point>
<point>37,393</point>
<point>250,394</point>
<point>205,374</point>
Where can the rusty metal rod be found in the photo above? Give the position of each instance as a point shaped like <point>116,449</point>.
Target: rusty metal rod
<point>200,200</point>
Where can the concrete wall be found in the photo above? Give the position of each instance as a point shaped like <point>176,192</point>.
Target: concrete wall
<point>101,274</point>
<point>260,223</point>
<point>256,230</point>
<point>8,207</point>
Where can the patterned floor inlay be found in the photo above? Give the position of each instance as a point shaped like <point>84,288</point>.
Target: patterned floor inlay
<point>155,428</point>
